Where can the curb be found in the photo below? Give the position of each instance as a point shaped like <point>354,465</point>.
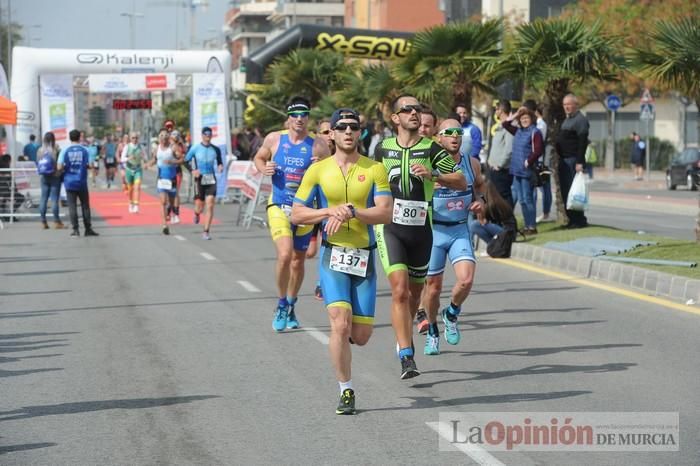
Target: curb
<point>636,278</point>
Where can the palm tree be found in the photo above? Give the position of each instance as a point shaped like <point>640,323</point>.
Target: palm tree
<point>306,72</point>
<point>553,55</point>
<point>671,58</point>
<point>369,90</point>
<point>446,63</point>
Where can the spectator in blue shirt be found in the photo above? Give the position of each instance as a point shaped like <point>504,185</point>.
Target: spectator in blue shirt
<point>73,162</point>
<point>471,141</point>
<point>31,149</point>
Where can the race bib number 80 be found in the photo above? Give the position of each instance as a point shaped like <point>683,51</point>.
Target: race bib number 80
<point>413,213</point>
<point>349,260</point>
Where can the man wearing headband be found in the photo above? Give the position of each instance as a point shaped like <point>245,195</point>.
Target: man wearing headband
<point>353,193</point>
<point>413,164</point>
<point>285,156</point>
<point>325,132</point>
<point>451,238</point>
<point>206,158</point>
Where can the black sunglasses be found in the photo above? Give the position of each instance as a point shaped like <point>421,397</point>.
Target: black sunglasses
<point>345,126</point>
<point>409,109</point>
<point>325,131</point>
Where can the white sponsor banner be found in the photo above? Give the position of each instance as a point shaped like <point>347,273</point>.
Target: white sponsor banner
<point>57,110</point>
<point>209,108</point>
<point>131,82</point>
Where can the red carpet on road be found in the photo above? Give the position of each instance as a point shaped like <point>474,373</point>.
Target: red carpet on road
<point>113,208</point>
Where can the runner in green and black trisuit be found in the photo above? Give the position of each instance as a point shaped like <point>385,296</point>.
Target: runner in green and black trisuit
<point>413,164</point>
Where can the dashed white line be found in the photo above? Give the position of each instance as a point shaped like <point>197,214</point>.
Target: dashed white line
<point>249,286</point>
<point>180,238</point>
<point>475,452</point>
<point>207,256</point>
<point>317,334</point>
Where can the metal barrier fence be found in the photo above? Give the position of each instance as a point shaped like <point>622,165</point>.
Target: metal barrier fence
<point>20,192</point>
<point>250,189</point>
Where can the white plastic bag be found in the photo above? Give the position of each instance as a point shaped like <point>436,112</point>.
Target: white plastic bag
<point>578,194</point>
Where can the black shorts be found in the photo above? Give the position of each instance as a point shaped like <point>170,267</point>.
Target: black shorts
<point>110,165</point>
<point>202,191</point>
<point>404,247</point>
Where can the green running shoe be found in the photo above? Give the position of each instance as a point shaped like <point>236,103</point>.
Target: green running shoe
<point>346,405</point>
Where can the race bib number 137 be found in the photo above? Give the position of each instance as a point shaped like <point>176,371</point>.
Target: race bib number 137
<point>349,260</point>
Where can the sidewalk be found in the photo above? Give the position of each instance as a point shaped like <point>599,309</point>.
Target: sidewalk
<point>623,178</point>
<point>682,289</point>
<point>604,192</point>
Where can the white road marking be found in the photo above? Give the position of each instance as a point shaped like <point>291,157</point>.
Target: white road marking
<point>475,452</point>
<point>180,238</point>
<point>317,335</point>
<point>207,256</point>
<point>249,286</point>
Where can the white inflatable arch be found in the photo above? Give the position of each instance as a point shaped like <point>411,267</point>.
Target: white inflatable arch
<point>28,64</point>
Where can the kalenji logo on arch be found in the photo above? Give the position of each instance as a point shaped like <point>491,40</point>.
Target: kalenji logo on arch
<point>156,81</point>
<point>90,58</point>
<point>162,61</point>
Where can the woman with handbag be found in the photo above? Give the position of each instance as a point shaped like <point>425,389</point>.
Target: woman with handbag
<point>50,180</point>
<point>527,148</point>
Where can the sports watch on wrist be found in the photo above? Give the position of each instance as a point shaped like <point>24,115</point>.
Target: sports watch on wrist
<point>352,210</point>
<point>435,174</point>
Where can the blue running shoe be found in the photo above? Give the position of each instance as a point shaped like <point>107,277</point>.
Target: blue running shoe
<point>279,321</point>
<point>292,322</point>
<point>451,330</point>
<point>432,345</point>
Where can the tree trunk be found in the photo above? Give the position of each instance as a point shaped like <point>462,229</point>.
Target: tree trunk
<point>462,94</point>
<point>554,116</point>
<point>697,220</point>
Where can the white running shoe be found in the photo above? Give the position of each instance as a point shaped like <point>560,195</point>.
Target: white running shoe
<point>136,208</point>
<point>174,219</point>
<point>131,208</point>
<point>543,218</point>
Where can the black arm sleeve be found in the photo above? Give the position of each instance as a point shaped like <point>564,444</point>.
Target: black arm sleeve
<point>218,155</point>
<point>441,160</point>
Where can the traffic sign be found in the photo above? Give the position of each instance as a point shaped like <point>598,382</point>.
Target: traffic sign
<point>613,102</point>
<point>646,112</point>
<point>646,97</point>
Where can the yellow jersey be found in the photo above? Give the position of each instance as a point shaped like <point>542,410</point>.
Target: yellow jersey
<point>324,182</point>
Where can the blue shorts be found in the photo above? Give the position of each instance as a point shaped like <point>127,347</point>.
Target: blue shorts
<point>358,294</point>
<point>453,241</point>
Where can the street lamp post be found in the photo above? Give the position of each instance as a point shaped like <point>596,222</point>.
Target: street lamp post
<point>29,34</point>
<point>131,15</point>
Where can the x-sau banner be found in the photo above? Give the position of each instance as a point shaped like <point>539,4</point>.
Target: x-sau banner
<point>57,110</point>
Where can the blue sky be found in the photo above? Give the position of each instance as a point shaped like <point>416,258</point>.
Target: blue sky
<point>98,24</point>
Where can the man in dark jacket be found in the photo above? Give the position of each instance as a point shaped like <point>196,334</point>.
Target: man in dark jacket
<point>571,144</point>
